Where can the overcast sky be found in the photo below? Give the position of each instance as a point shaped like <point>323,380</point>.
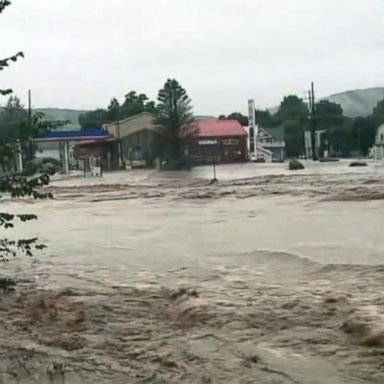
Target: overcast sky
<point>81,53</point>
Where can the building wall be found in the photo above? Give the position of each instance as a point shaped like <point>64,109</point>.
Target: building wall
<point>275,146</point>
<point>273,140</point>
<point>278,153</point>
<point>228,149</point>
<point>263,155</point>
<point>131,125</point>
<point>138,146</point>
<point>136,136</point>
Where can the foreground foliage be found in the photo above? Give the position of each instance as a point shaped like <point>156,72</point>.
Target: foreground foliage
<point>16,185</point>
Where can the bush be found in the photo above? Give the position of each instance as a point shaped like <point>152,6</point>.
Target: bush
<point>295,165</point>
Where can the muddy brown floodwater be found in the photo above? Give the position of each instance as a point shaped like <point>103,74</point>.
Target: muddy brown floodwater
<point>267,277</point>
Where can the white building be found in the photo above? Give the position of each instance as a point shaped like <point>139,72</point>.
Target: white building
<point>378,149</point>
<point>272,141</point>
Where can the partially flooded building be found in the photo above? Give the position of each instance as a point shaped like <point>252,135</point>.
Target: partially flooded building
<point>219,141</point>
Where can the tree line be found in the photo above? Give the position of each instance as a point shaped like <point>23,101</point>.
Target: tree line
<point>17,127</point>
<point>133,104</point>
<point>341,135</point>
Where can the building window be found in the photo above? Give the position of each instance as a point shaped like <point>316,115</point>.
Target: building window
<point>230,142</point>
<point>207,142</point>
<point>382,137</point>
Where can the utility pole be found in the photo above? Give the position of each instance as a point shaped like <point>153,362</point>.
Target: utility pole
<point>30,145</point>
<point>29,108</point>
<point>119,144</point>
<point>313,120</point>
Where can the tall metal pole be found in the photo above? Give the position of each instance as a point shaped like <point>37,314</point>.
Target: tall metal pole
<point>30,149</point>
<point>252,136</point>
<point>313,121</point>
<point>29,108</point>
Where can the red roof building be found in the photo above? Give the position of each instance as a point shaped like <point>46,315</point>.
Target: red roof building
<point>219,141</point>
<point>217,128</point>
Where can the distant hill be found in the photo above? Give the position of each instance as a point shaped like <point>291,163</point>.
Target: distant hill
<point>360,102</point>
<point>70,115</point>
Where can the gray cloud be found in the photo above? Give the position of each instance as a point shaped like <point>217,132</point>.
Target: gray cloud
<point>80,53</point>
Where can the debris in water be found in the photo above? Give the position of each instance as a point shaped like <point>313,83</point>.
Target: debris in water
<point>358,164</point>
<point>184,292</point>
<point>295,165</point>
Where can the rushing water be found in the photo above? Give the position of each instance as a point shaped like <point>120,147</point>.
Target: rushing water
<point>279,263</point>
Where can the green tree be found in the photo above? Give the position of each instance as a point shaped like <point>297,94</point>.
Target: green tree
<point>174,114</point>
<point>150,107</point>
<point>329,118</point>
<point>13,118</point>
<point>328,111</point>
<point>293,114</point>
<point>292,108</point>
<point>93,119</point>
<point>363,132</point>
<point>133,104</point>
<point>136,103</point>
<point>14,108</point>
<point>15,124</point>
<point>16,186</point>
<point>264,118</point>
<point>378,113</point>
<point>113,110</point>
<point>243,120</point>
<point>344,135</point>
